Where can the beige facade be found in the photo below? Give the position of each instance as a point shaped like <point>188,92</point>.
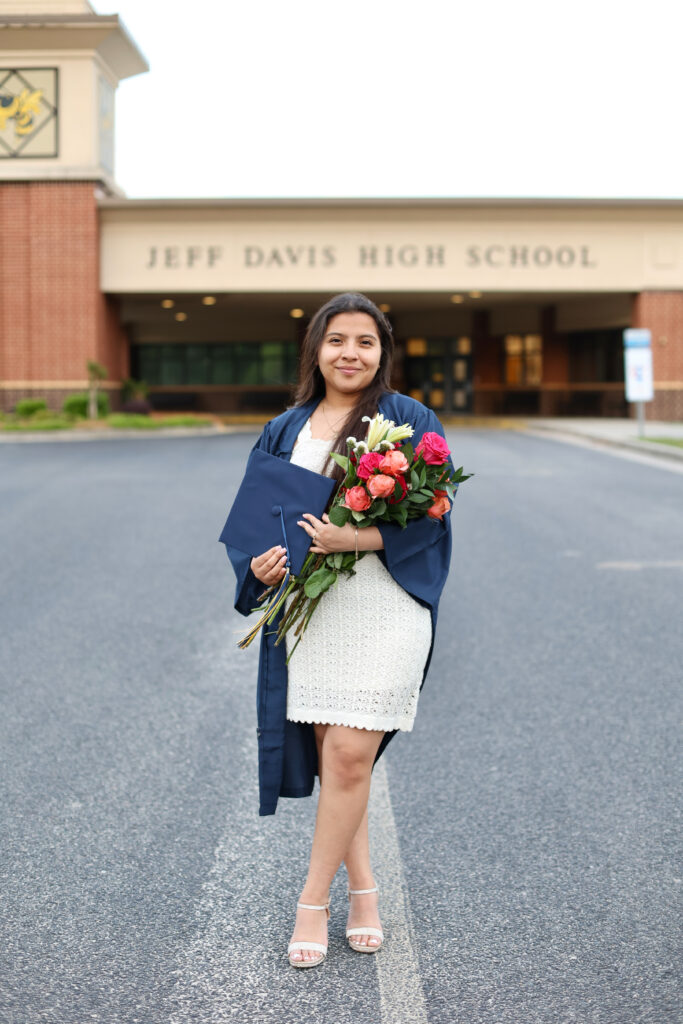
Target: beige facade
<point>412,246</point>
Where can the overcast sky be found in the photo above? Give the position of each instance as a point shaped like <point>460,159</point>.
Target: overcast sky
<point>377,98</point>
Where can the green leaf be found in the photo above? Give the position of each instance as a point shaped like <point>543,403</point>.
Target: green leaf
<point>338,559</point>
<point>339,515</point>
<point>414,479</point>
<point>341,460</point>
<point>423,476</point>
<point>358,516</point>
<point>379,507</point>
<point>408,451</point>
<point>319,581</point>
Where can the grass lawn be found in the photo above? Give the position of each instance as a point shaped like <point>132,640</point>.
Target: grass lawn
<point>118,421</point>
<point>677,442</point>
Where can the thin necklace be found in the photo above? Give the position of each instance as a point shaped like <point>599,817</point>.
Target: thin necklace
<point>332,426</point>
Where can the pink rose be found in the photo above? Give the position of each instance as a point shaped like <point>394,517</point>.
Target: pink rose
<point>381,486</point>
<point>394,463</point>
<point>440,506</point>
<point>433,449</point>
<point>357,498</point>
<point>368,464</point>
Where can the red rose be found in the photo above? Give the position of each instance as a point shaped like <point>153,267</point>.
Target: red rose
<point>381,486</point>
<point>394,463</point>
<point>439,508</point>
<point>399,480</point>
<point>433,449</point>
<point>357,498</point>
<point>368,464</point>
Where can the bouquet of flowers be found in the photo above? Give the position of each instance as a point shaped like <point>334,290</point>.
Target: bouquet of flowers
<point>386,481</point>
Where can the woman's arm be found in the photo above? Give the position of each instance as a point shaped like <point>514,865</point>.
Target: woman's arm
<point>327,538</point>
<point>249,588</point>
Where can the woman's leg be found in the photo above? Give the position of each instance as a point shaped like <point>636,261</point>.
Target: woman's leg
<point>346,764</point>
<point>362,909</point>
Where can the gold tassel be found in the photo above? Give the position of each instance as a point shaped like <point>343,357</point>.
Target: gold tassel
<point>271,611</point>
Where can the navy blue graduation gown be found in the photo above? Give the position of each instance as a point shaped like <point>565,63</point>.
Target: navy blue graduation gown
<point>417,557</point>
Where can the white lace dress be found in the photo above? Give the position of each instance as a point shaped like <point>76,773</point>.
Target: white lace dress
<point>361,659</point>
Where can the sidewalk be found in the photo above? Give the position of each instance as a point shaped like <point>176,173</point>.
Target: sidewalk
<point>618,433</point>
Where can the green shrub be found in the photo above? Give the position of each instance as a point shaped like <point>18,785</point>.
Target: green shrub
<point>29,406</point>
<point>77,405</point>
<point>131,388</point>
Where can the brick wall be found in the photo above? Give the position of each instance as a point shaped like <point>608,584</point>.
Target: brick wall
<point>53,317</point>
<point>662,312</point>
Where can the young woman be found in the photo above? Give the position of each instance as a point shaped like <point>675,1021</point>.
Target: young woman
<point>354,678</point>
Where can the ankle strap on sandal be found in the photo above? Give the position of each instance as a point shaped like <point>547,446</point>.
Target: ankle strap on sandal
<point>362,892</point>
<point>312,906</point>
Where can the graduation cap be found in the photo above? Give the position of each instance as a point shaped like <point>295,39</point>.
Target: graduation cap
<point>272,497</point>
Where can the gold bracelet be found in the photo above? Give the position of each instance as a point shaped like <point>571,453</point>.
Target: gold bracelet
<point>356,543</point>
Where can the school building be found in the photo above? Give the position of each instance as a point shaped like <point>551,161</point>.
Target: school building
<point>499,306</point>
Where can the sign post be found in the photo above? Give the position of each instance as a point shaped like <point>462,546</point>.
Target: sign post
<point>638,370</point>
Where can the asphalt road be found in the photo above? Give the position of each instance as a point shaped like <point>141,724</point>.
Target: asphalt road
<point>526,834</point>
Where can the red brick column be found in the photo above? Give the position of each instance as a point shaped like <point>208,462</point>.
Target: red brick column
<point>662,313</point>
<point>53,317</point>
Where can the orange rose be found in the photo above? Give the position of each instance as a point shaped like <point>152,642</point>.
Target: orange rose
<point>440,506</point>
<point>357,498</point>
<point>394,463</point>
<point>381,486</point>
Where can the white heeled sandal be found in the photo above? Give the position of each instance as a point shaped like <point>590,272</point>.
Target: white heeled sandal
<point>317,947</point>
<point>364,931</point>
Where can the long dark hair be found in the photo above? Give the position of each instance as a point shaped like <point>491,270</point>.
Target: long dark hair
<point>312,383</point>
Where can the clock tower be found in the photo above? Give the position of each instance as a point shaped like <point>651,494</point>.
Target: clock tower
<point>60,65</point>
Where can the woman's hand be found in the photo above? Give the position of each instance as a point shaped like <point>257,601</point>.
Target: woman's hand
<point>325,536</point>
<point>269,567</point>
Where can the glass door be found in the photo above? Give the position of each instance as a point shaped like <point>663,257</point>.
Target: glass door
<point>438,372</point>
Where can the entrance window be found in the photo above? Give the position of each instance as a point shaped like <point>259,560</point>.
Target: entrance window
<point>244,364</point>
<point>596,356</point>
<point>523,359</point>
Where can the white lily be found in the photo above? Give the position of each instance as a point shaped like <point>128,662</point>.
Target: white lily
<point>378,429</point>
<point>397,434</point>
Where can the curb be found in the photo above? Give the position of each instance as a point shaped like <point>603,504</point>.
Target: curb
<point>253,425</point>
<point>649,448</point>
<point>19,437</point>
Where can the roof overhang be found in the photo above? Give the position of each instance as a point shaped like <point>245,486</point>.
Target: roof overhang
<point>105,34</point>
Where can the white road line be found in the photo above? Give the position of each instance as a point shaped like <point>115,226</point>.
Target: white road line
<point>401,995</point>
